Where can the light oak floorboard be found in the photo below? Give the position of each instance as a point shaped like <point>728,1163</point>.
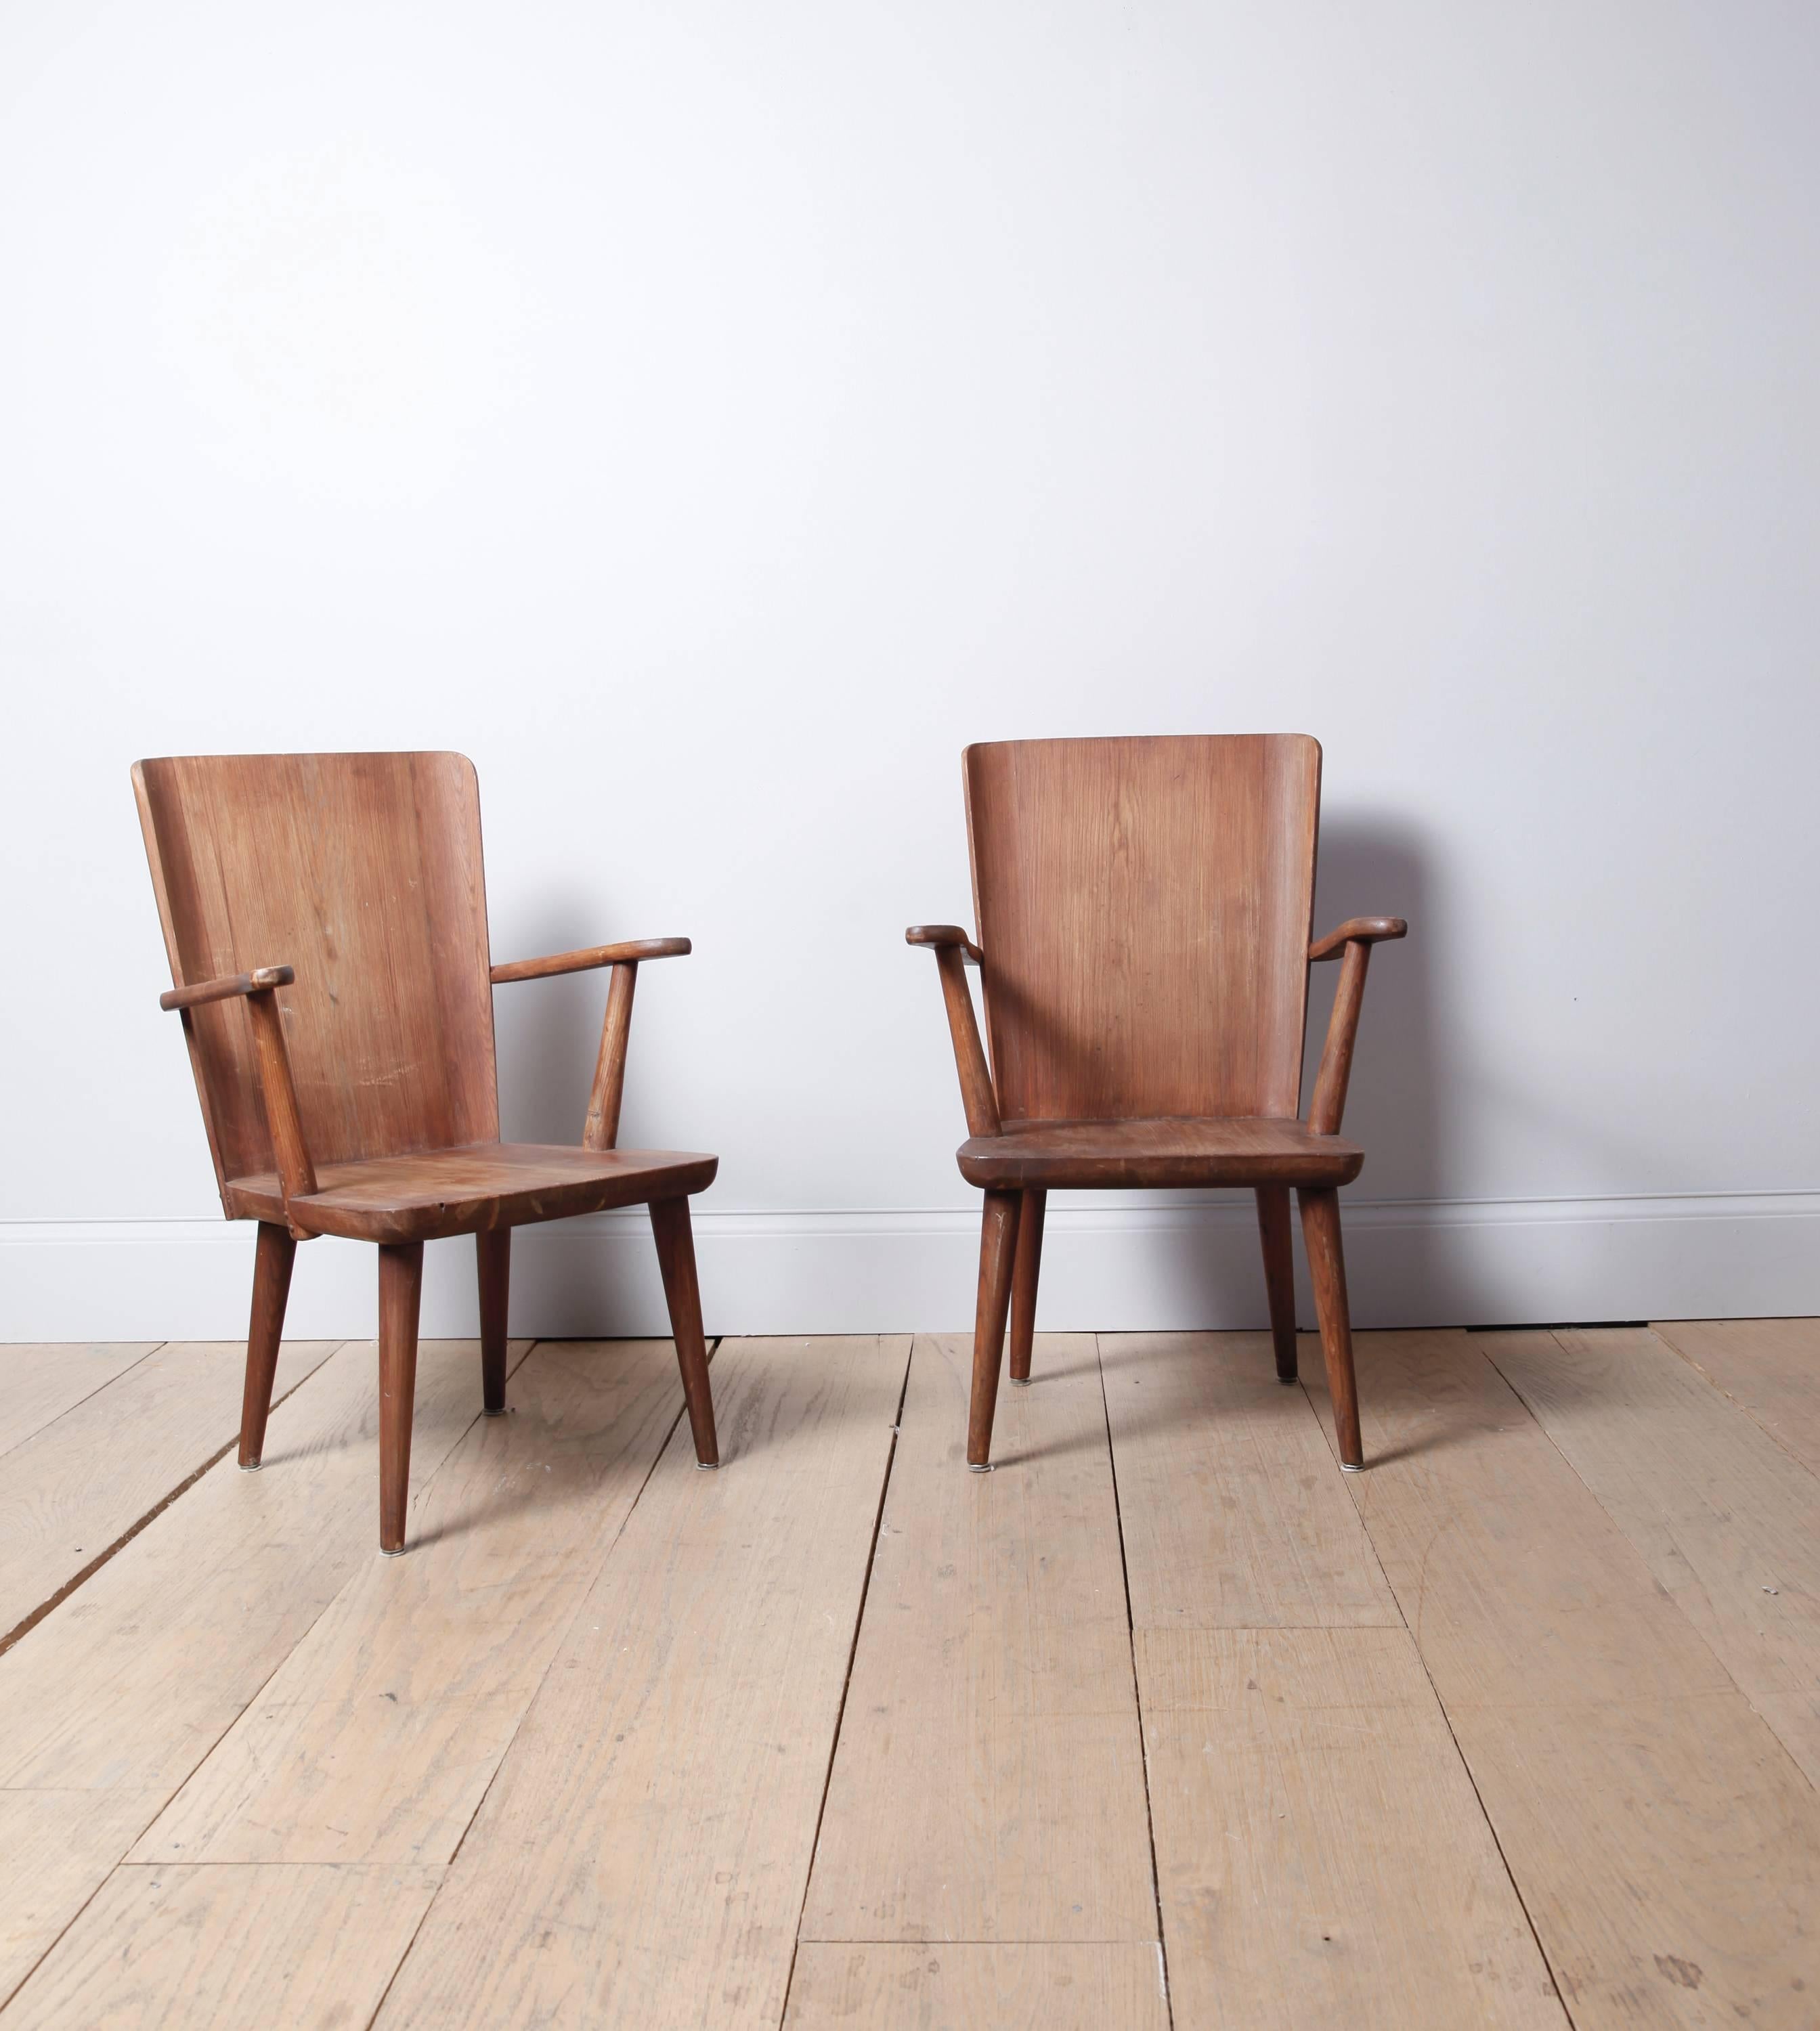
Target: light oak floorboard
<point>55,1847</point>
<point>1666,1847</point>
<point>1769,1368</point>
<point>1726,1520</point>
<point>74,1489</point>
<point>228,1949</point>
<point>375,1738</point>
<point>125,1686</point>
<point>1045,1987</point>
<point>41,1380</point>
<point>988,1783</point>
<point>1235,1515</point>
<point>136,1677</point>
<point>1322,1857</point>
<point>640,1860</point>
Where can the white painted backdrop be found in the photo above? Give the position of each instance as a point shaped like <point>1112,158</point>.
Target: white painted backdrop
<point>710,416</point>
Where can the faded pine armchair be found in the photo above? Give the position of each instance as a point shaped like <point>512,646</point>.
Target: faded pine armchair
<point>1143,908</point>
<point>325,920</point>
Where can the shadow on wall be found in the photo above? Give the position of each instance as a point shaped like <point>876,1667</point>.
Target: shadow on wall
<point>1201,1261</point>
<point>548,1031</point>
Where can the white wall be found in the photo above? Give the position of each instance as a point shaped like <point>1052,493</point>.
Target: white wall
<point>710,416</point>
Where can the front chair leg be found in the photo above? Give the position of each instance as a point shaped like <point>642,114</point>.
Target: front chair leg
<point>1279,1274</point>
<point>1327,1269</point>
<point>273,1253</point>
<point>1023,1278</point>
<point>997,1252</point>
<point>676,1258</point>
<point>493,1264</point>
<point>401,1289</point>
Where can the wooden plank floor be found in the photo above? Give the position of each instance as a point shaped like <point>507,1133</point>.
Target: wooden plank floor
<point>1163,1724</point>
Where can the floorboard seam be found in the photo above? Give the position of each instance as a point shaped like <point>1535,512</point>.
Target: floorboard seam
<point>1616,1522</point>
<point>847,1678</point>
<point>1737,1402</point>
<point>663,1446</point>
<point>26,1624</point>
<point>1446,1718</point>
<point>1137,1690</point>
<point>26,1438</point>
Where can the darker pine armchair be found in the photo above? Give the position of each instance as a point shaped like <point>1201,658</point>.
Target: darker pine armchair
<point>325,920</point>
<point>1143,908</point>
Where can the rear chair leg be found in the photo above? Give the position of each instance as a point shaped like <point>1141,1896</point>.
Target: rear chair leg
<point>1327,1267</point>
<point>492,1262</point>
<point>1029,1265</point>
<point>400,1288</point>
<point>998,1250</point>
<point>274,1252</point>
<point>1279,1274</point>
<point>676,1258</point>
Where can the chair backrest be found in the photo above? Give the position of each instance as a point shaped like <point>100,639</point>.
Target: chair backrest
<point>363,872</point>
<point>1143,906</point>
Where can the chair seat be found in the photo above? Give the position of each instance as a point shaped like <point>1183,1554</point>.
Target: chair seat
<point>1170,1154</point>
<point>475,1185</point>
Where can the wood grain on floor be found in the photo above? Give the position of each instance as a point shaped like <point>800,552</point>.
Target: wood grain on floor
<point>641,1858</point>
<point>1665,1845</point>
<point>992,1700</point>
<point>75,1488</point>
<point>1502,1732</point>
<point>375,1739</point>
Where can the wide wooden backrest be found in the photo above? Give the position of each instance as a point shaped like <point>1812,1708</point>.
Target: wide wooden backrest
<point>1143,906</point>
<point>363,872</point>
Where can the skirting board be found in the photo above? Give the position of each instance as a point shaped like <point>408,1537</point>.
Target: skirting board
<point>1147,1267</point>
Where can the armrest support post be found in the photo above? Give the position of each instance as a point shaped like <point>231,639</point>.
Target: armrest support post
<point>284,1123</point>
<point>1331,1082</point>
<point>976,1093</point>
<point>602,1130</point>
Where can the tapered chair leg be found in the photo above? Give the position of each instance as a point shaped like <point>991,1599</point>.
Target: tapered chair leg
<point>1279,1274</point>
<point>1327,1269</point>
<point>1029,1267</point>
<point>676,1258</point>
<point>492,1262</point>
<point>400,1290</point>
<point>273,1253</point>
<point>997,1252</point>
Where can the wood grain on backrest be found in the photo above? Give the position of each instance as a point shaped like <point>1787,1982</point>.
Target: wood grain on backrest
<point>363,873</point>
<point>1143,906</point>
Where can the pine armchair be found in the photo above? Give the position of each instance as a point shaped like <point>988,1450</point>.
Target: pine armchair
<point>1143,908</point>
<point>325,920</point>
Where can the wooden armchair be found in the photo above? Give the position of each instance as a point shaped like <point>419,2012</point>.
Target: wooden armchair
<point>326,918</point>
<point>1143,908</point>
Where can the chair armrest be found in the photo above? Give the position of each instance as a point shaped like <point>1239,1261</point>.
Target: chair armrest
<point>601,1130</point>
<point>942,937</point>
<point>1354,941</point>
<point>284,1124</point>
<point>1357,931</point>
<point>954,950</point>
<point>630,953</point>
<point>258,982</point>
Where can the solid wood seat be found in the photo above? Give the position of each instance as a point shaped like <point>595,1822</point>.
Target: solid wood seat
<point>325,920</point>
<point>1167,1155</point>
<point>474,1187</point>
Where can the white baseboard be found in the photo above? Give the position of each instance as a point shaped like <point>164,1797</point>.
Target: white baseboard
<point>1430,1262</point>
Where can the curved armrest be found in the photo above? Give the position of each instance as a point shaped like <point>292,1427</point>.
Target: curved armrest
<point>590,956</point>
<point>259,981</point>
<point>1357,931</point>
<point>1354,940</point>
<point>943,936</point>
<point>954,951</point>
